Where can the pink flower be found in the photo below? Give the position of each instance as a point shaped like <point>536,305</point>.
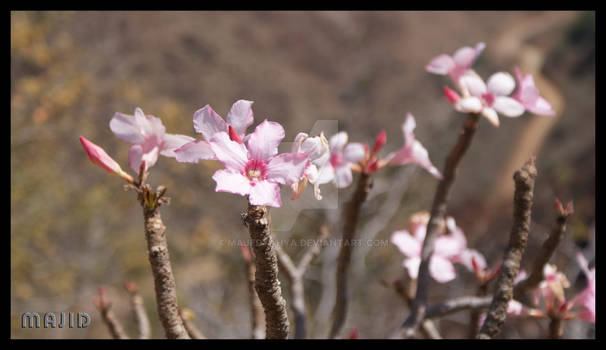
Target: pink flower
<point>256,170</point>
<point>488,99</point>
<point>317,149</point>
<point>98,156</point>
<point>586,299</point>
<point>412,151</point>
<point>446,248</point>
<point>528,95</point>
<point>472,259</point>
<point>456,65</point>
<point>147,134</point>
<point>207,122</point>
<point>342,157</point>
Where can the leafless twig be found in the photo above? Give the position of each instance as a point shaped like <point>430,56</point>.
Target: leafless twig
<point>350,220</point>
<point>295,274</point>
<point>188,317</point>
<point>257,318</point>
<point>104,307</point>
<point>436,223</point>
<point>139,312</point>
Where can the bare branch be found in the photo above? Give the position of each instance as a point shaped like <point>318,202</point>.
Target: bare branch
<point>104,307</point>
<point>350,220</point>
<point>436,222</point>
<point>546,252</point>
<point>188,317</point>
<point>139,312</point>
<point>522,205</point>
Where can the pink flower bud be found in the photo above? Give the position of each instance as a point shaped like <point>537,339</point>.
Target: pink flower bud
<point>233,135</point>
<point>98,156</point>
<point>451,95</point>
<point>245,253</point>
<point>564,212</point>
<point>355,334</point>
<point>380,141</point>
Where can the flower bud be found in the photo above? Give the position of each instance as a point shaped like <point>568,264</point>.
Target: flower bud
<point>98,156</point>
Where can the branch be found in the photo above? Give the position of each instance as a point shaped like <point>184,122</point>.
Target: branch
<point>104,307</point>
<point>138,310</point>
<point>350,220</point>
<point>556,328</point>
<point>187,316</point>
<point>428,328</point>
<point>267,284</point>
<point>295,277</point>
<point>157,249</point>
<point>547,250</point>
<point>436,222</point>
<point>522,204</point>
<point>257,318</point>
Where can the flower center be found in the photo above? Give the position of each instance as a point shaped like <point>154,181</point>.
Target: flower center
<point>255,170</point>
<point>336,160</point>
<point>488,98</point>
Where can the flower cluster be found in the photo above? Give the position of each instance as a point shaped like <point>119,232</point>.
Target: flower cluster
<point>487,98</point>
<point>449,249</point>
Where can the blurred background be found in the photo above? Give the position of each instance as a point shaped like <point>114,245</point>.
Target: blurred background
<point>74,228</point>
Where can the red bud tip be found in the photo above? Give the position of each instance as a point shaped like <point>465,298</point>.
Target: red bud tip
<point>451,95</point>
<point>372,167</point>
<point>354,334</point>
<point>380,141</point>
<point>130,286</point>
<point>233,135</point>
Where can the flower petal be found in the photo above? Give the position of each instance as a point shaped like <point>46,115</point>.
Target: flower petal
<point>448,247</point>
<point>240,116</point>
<point>501,84</point>
<point>343,176</point>
<point>134,157</point>
<point>232,182</point>
<point>265,193</point>
<point>541,107</point>
<point>263,142</point>
<point>172,142</point>
<point>412,265</point>
<point>468,255</point>
<point>208,123</point>
<point>491,115</point>
<point>125,127</point>
<point>441,269</point>
<point>441,64</point>
<point>407,129</point>
<point>469,105</point>
<point>353,152</point>
<point>407,244</point>
<point>508,106</point>
<point>233,155</point>
<point>474,84</point>
<point>337,142</point>
<point>287,168</point>
<point>194,151</point>
<point>326,174</point>
<point>464,57</point>
<point>98,156</point>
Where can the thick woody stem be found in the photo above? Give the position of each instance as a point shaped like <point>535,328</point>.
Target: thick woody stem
<point>350,216</point>
<point>257,318</point>
<point>164,281</point>
<point>138,310</point>
<point>267,283</point>
<point>436,222</point>
<point>556,328</point>
<point>295,276</point>
<point>547,250</point>
<point>522,204</point>
<point>190,326</point>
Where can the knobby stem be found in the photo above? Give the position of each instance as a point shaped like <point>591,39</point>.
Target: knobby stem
<point>267,283</point>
